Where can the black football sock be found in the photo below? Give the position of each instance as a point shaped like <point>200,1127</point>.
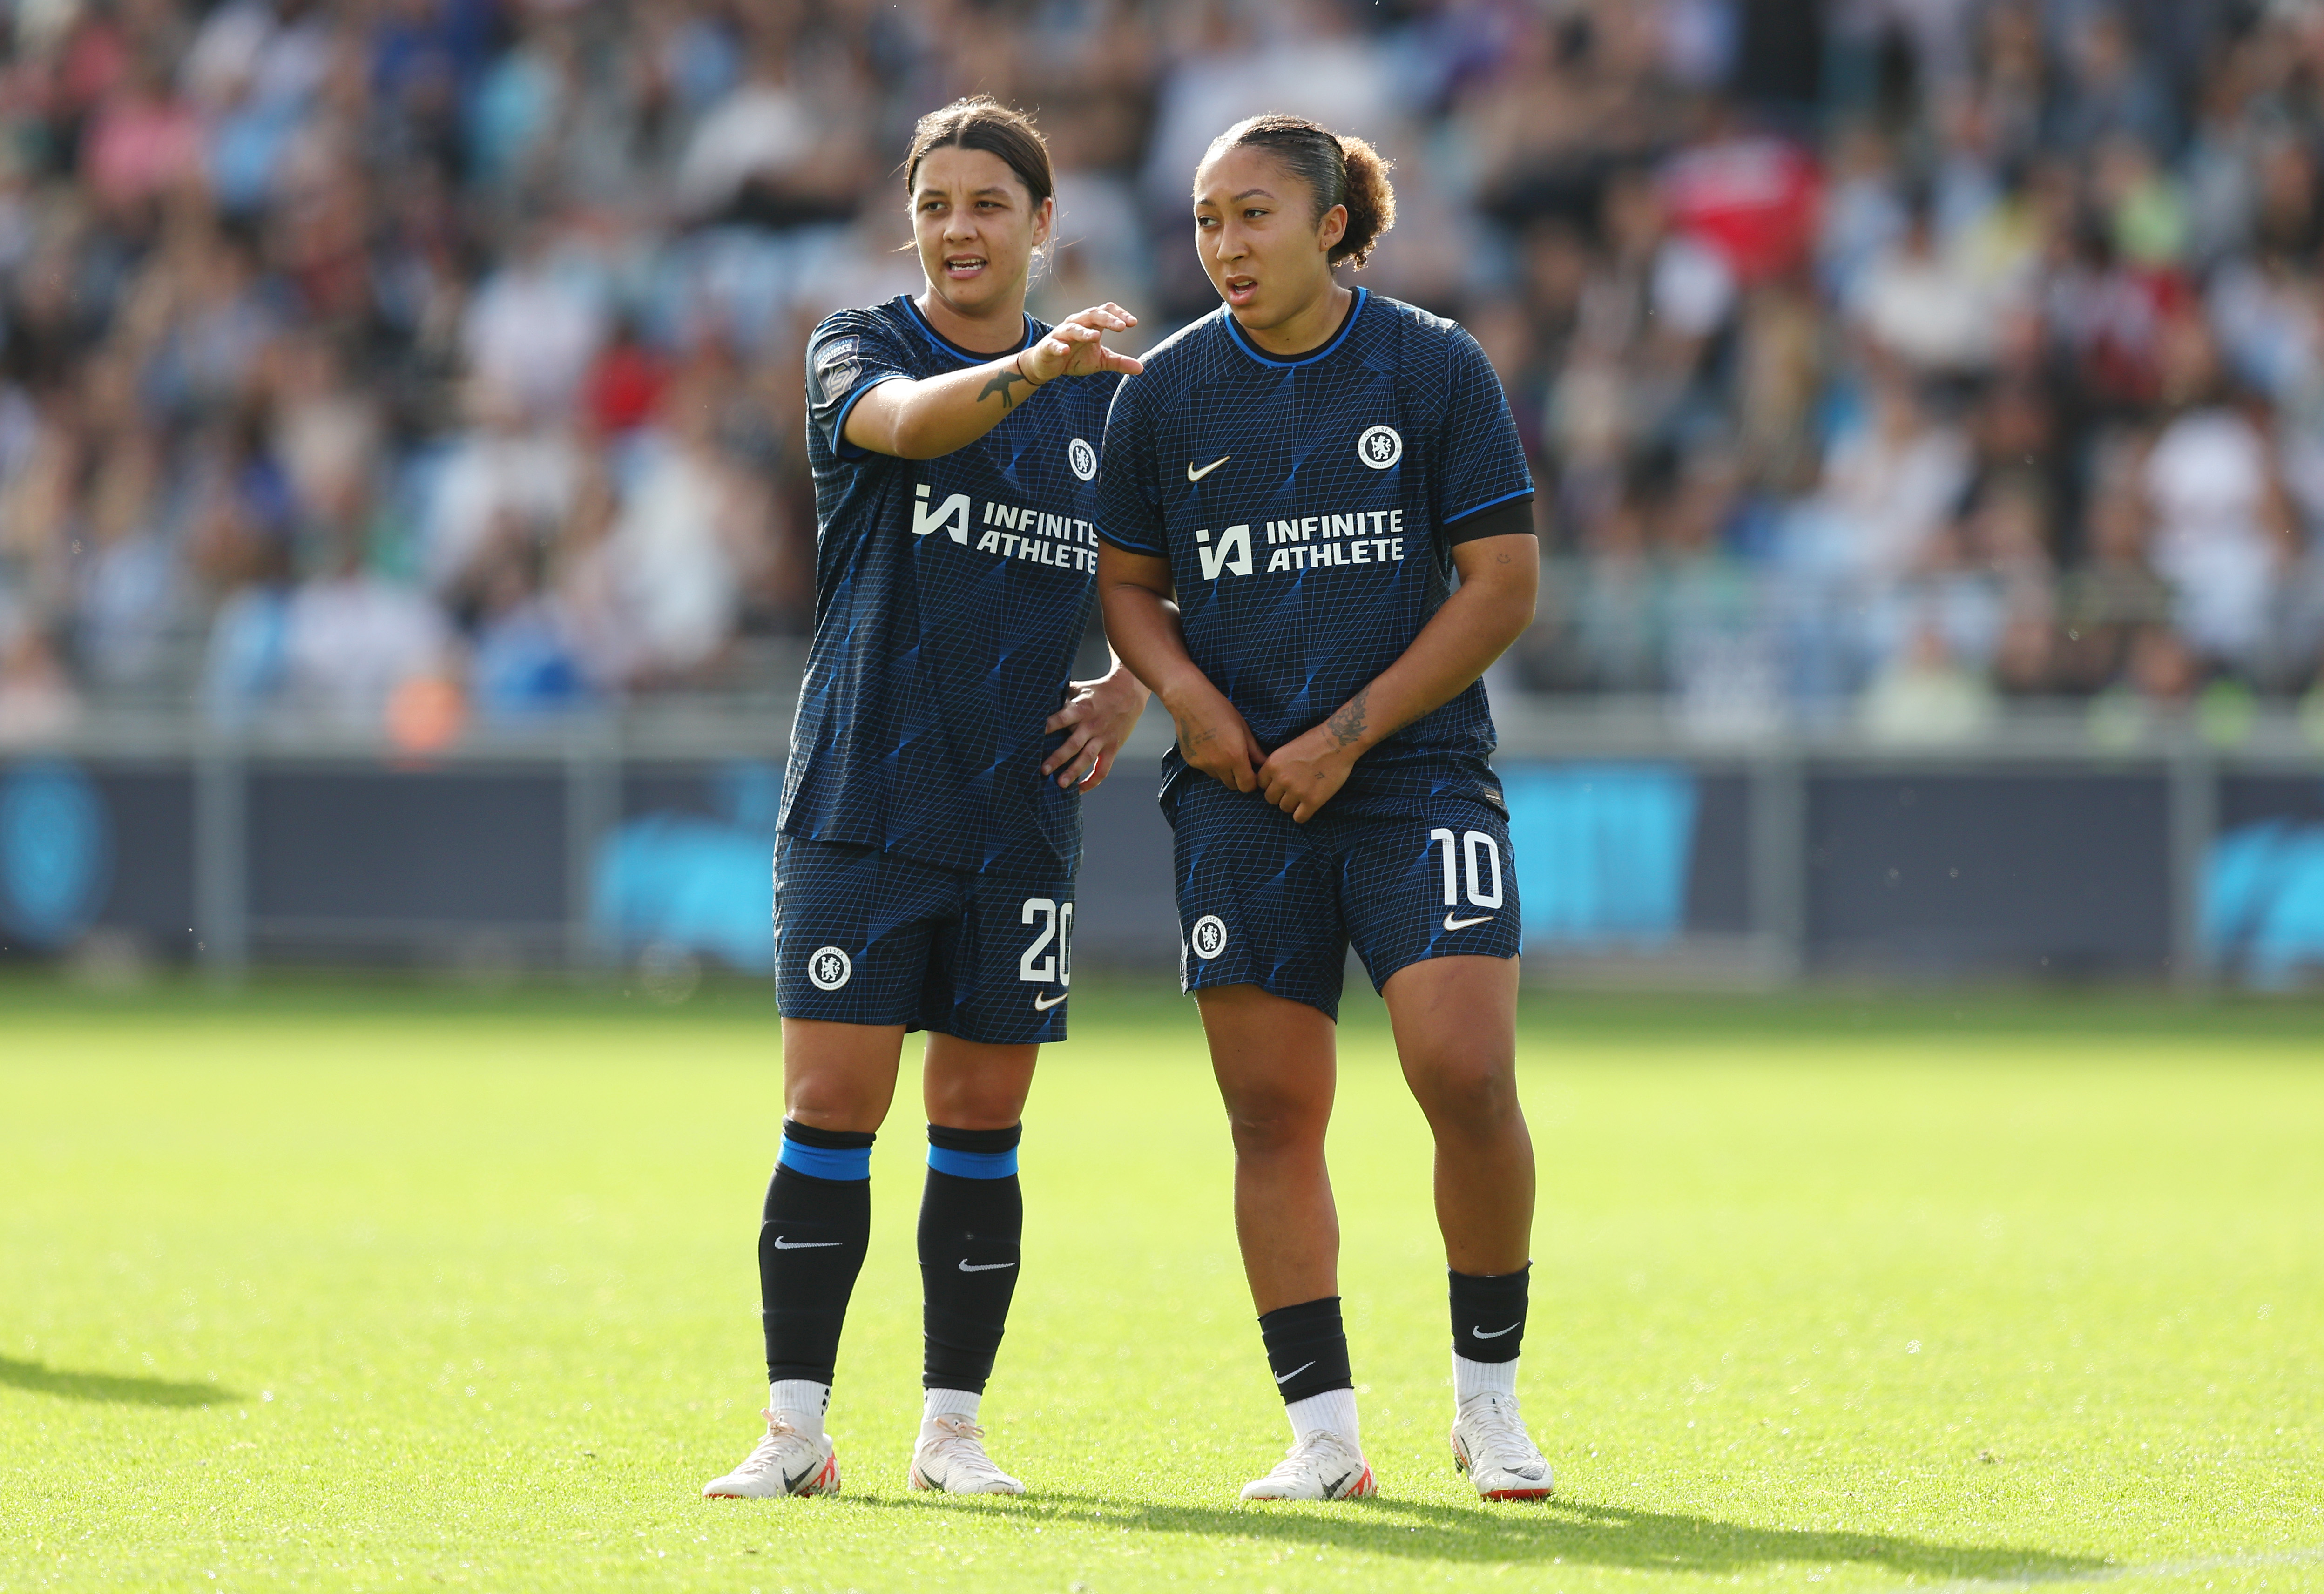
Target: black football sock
<point>972,1221</point>
<point>1306,1348</point>
<point>1489,1313</point>
<point>811,1246</point>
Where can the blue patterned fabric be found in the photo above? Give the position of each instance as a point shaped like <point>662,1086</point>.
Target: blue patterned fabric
<point>1265,901</point>
<point>864,936</point>
<point>1308,510</point>
<point>950,596</point>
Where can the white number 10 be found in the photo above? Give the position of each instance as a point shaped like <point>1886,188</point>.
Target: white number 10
<point>1475,843</point>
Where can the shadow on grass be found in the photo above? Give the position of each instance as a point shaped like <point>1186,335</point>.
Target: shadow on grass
<point>114,1386</point>
<point>1580,1535</point>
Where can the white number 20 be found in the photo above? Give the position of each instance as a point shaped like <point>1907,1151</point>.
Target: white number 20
<point>1056,921</point>
<point>1474,846</point>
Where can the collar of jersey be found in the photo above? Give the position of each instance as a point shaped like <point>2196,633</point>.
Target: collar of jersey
<point>1243,342</point>
<point>967,356</point>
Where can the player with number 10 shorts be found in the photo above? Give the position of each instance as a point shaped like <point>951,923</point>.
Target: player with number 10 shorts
<point>1288,494</point>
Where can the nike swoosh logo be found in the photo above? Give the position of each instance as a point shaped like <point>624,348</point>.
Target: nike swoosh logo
<point>1461,924</point>
<point>1497,1333</point>
<point>1293,1373</point>
<point>804,1245</point>
<point>982,1266</point>
<point>1042,1004</point>
<point>1337,1484</point>
<point>791,1484</point>
<point>1195,475</point>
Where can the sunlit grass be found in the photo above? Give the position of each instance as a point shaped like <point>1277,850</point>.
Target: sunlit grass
<point>318,1289</point>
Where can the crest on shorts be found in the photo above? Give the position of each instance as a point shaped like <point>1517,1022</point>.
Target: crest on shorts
<point>828,968</point>
<point>1208,938</point>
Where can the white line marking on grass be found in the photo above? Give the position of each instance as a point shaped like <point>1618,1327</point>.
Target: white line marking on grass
<point>2109,1574</point>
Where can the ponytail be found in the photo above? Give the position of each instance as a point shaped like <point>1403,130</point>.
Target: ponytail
<point>1337,171</point>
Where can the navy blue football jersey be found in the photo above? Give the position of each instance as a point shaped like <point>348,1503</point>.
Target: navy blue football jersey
<point>1308,509</point>
<point>950,598</point>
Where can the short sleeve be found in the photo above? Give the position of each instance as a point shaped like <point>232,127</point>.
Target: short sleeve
<point>848,355</point>
<point>1128,502</point>
<point>1482,462</point>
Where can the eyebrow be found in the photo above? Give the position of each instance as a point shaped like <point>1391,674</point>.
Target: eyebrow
<point>1246,194</point>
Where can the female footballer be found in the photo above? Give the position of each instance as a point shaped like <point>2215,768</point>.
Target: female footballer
<point>1288,491</point>
<point>931,822</point>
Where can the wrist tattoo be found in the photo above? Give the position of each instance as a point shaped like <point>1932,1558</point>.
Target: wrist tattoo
<point>1347,727</point>
<point>1004,381</point>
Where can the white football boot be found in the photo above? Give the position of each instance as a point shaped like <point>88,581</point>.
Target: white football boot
<point>785,1462</point>
<point>1491,1444</point>
<point>950,1459</point>
<point>1321,1467</point>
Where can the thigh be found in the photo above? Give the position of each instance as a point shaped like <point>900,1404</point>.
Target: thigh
<point>1274,1057</point>
<point>852,932</point>
<point>1001,968</point>
<point>1440,883</point>
<point>1257,902</point>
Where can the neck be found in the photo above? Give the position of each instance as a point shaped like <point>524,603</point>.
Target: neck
<point>1308,325</point>
<point>994,331</point>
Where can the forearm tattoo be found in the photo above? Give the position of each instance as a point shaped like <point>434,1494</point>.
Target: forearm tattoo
<point>1004,381</point>
<point>1347,727</point>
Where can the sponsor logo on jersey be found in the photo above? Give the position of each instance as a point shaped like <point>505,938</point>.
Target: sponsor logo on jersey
<point>1309,542</point>
<point>828,968</point>
<point>1082,458</point>
<point>1195,475</point>
<point>1208,938</point>
<point>1381,447</point>
<point>1014,531</point>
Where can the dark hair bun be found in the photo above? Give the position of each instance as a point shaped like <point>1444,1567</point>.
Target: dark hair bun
<point>1369,199</point>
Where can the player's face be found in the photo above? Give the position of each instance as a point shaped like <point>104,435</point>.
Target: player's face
<point>1266,252</point>
<point>977,227</point>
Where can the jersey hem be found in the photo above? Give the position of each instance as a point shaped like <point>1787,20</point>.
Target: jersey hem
<point>839,443</point>
<point>1453,520</point>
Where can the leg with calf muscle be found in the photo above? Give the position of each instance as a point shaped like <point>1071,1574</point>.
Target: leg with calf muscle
<point>1275,1067</point>
<point>972,1211</point>
<point>1455,1023</point>
<point>817,1226</point>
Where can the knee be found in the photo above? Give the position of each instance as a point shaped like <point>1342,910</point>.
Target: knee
<point>1271,1125</point>
<point>974,1104</point>
<point>1472,1098</point>
<point>835,1100</point>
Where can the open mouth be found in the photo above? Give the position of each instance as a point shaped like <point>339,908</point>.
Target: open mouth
<point>1240,290</point>
<point>960,267</point>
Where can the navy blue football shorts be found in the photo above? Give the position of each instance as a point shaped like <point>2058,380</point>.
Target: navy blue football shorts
<point>1265,901</point>
<point>862,936</point>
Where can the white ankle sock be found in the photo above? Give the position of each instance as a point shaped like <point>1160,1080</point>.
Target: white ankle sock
<point>1472,1379</point>
<point>1331,1412</point>
<point>949,1402</point>
<point>801,1402</point>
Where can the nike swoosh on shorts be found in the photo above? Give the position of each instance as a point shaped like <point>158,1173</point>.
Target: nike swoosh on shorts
<point>1042,1004</point>
<point>1461,924</point>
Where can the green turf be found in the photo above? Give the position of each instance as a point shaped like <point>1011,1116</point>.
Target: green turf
<point>319,1289</point>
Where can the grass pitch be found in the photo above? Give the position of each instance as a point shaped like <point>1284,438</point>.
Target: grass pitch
<point>356,1291</point>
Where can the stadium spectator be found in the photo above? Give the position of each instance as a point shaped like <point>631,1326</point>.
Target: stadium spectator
<point>394,276</point>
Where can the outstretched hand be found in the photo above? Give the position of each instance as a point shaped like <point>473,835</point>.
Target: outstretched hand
<point>1097,718</point>
<point>1074,347</point>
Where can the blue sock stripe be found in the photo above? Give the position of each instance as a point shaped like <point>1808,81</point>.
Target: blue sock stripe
<point>974,1165</point>
<point>818,1162</point>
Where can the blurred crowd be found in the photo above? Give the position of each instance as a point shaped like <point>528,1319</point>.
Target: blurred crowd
<point>427,362</point>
